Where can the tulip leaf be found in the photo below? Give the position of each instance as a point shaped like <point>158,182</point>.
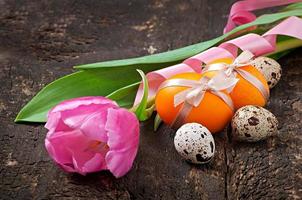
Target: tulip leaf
<point>293,6</point>
<point>180,54</point>
<point>125,95</point>
<point>142,111</point>
<point>118,79</point>
<point>284,45</point>
<point>157,122</point>
<point>119,84</point>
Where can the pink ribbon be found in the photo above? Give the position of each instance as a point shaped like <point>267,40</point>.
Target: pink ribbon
<point>194,94</point>
<point>256,44</point>
<point>241,11</point>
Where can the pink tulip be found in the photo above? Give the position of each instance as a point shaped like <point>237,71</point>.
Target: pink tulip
<point>91,134</point>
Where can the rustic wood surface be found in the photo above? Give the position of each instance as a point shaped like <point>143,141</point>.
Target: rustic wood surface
<point>41,40</point>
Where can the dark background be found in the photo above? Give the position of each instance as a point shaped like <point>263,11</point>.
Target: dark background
<point>40,41</point>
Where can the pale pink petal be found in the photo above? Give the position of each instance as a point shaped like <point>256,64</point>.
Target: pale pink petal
<point>67,167</point>
<point>94,126</point>
<point>52,120</point>
<point>74,118</point>
<point>55,123</point>
<point>79,159</point>
<point>74,111</point>
<point>80,101</point>
<point>57,151</point>
<point>123,138</point>
<point>62,145</point>
<point>119,163</point>
<point>96,163</point>
<point>52,152</point>
<point>86,162</point>
<point>123,129</point>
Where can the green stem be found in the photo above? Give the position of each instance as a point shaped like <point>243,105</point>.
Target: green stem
<point>286,45</point>
<point>150,103</point>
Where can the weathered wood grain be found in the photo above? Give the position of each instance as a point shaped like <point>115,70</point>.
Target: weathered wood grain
<point>272,169</point>
<point>41,40</point>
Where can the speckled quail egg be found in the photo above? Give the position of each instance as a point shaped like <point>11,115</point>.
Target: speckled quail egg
<point>270,69</point>
<point>253,123</point>
<point>194,143</point>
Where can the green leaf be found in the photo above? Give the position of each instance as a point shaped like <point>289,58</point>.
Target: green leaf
<point>125,96</point>
<point>293,6</point>
<point>142,111</point>
<point>118,79</point>
<point>110,83</point>
<point>178,55</point>
<point>157,122</point>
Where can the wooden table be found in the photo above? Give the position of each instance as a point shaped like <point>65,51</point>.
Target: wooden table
<point>40,41</point>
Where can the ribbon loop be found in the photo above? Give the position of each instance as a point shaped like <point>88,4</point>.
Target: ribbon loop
<point>244,58</point>
<point>195,91</point>
<point>231,70</point>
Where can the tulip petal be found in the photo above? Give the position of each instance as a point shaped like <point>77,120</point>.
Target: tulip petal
<point>56,148</point>
<point>61,146</point>
<point>81,101</point>
<point>86,162</point>
<point>96,163</point>
<point>55,123</point>
<point>79,159</point>
<point>52,120</point>
<point>74,111</point>
<point>90,134</point>
<point>94,126</point>
<point>119,163</point>
<point>123,138</point>
<point>75,118</point>
<point>52,152</point>
<point>123,129</point>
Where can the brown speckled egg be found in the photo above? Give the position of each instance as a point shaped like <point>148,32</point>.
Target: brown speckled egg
<point>253,123</point>
<point>270,69</point>
<point>194,143</point>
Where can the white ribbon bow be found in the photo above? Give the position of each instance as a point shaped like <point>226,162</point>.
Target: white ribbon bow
<point>196,89</point>
<point>231,70</point>
<point>194,94</point>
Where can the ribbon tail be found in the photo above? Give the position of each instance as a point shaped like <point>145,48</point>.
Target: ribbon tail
<point>197,100</point>
<point>181,116</point>
<point>180,97</point>
<point>230,89</point>
<point>255,82</point>
<point>225,98</point>
<point>244,57</point>
<point>187,106</point>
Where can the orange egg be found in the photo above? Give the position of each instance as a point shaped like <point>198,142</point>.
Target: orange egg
<point>212,112</point>
<point>244,93</point>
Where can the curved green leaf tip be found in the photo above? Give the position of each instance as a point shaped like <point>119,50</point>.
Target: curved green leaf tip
<point>142,111</point>
<point>157,122</point>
